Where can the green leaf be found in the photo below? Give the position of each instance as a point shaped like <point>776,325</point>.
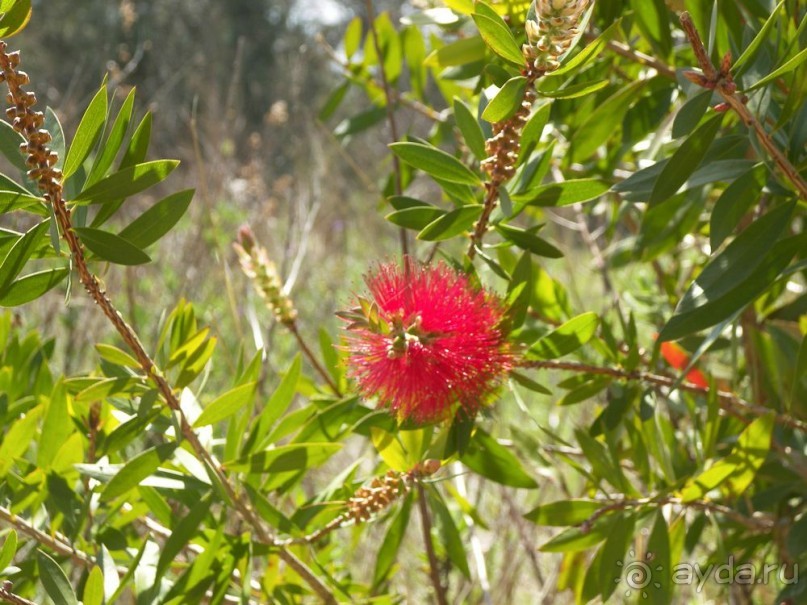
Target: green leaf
<point>507,101</point>
<point>490,459</point>
<point>746,58</point>
<point>126,182</point>
<point>416,217</point>
<point>9,550</point>
<point>563,512</point>
<point>531,135</point>
<point>691,113</point>
<point>138,145</point>
<point>435,162</point>
<point>352,38</point>
<point>294,457</point>
<point>737,199</point>
<point>56,584</point>
<point>10,141</point>
<point>116,356</point>
<point>736,276</point>
<point>652,19</point>
<point>589,53</point>
<point>519,291</point>
<point>136,470</point>
<point>575,90</point>
<point>499,38</point>
<point>333,102</point>
<point>32,286</point>
<point>527,240</point>
<point>567,338</point>
<point>575,539</point>
<point>111,247</point>
<point>561,194</point>
<point>181,534</point>
<point>600,125</point>
<point>157,220</point>
<point>453,223</point>
<point>684,161</point>
<point>19,254</point>
<point>470,129</point>
<point>392,542</point>
<point>460,52</point>
<point>114,140</point>
<point>281,398</point>
<point>94,587</point>
<point>17,439</point>
<point>390,448</point>
<point>14,200</point>
<point>56,427</point>
<point>737,470</point>
<point>784,69</point>
<point>87,133</point>
<point>226,405</point>
<point>449,534</point>
<point>613,554</point>
<point>15,18</point>
<point>529,383</point>
<point>660,589</point>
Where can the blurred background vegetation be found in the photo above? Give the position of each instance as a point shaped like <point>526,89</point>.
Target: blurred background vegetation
<point>235,88</point>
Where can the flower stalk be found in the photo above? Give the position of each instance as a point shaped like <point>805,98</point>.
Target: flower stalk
<point>265,279</point>
<point>552,26</point>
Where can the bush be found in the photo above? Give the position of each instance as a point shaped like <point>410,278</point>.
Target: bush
<point>491,424</point>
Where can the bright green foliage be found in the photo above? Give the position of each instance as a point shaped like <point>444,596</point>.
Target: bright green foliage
<point>650,253</point>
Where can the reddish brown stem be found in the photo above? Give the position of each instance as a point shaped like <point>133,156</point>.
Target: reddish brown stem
<point>434,569</point>
<point>728,402</point>
<point>722,82</point>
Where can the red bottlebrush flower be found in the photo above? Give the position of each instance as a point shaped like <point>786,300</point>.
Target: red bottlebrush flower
<point>428,339</point>
<point>674,355</point>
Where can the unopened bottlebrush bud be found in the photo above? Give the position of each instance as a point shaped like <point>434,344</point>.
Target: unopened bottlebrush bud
<point>261,271</point>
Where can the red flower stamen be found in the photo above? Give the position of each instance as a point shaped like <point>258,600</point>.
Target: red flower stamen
<point>426,341</point>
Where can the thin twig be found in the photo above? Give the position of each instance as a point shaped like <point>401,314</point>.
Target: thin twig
<point>393,127</point>
<point>9,597</point>
<point>639,57</point>
<point>757,524</point>
<point>426,523</point>
<point>728,401</point>
<point>52,540</point>
<point>722,82</point>
<point>312,359</point>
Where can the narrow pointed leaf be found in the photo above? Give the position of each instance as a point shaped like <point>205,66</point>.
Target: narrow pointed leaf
<point>567,338</point>
<point>158,220</point>
<point>111,247</point>
<point>127,182</point>
<point>499,38</point>
<point>56,584</point>
<point>87,133</point>
<point>435,162</point>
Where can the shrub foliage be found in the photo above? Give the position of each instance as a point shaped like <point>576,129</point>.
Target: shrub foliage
<point>652,420</point>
